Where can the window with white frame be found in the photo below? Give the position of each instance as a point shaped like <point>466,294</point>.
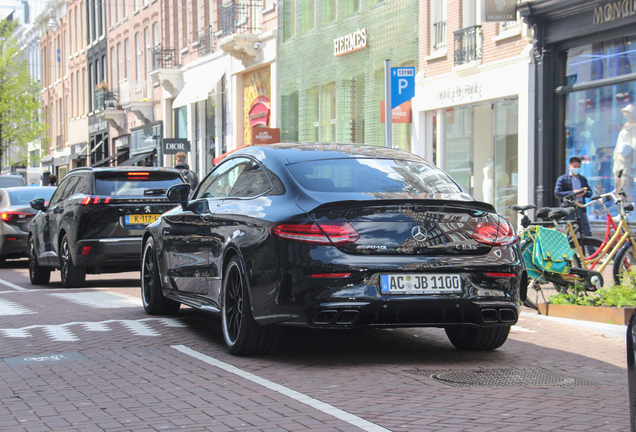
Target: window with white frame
<point>438,24</point>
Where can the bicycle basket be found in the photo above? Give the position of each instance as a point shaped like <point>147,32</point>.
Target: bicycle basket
<point>551,251</point>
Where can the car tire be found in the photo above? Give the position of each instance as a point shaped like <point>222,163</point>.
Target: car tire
<point>242,334</point>
<point>37,274</point>
<point>477,339</point>
<point>72,276</point>
<point>155,303</point>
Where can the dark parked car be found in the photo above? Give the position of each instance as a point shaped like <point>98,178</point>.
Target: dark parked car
<point>334,236</point>
<point>11,180</point>
<point>15,218</point>
<point>631,370</point>
<point>95,221</point>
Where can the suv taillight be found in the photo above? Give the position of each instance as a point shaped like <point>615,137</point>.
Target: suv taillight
<point>499,233</point>
<point>89,200</point>
<point>337,233</point>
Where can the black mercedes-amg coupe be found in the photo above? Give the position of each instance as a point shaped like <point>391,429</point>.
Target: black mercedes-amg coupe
<point>333,236</point>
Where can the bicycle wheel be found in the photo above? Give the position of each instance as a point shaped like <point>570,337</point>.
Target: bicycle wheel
<point>624,261</point>
<point>534,284</point>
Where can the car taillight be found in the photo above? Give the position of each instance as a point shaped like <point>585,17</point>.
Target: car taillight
<point>337,233</point>
<point>95,200</point>
<point>499,233</point>
<point>12,215</point>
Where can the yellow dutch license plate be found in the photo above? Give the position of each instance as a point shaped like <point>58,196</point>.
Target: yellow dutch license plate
<point>141,218</point>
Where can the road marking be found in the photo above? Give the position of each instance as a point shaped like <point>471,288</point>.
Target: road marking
<point>10,308</point>
<point>10,285</point>
<point>521,329</point>
<point>63,333</point>
<point>101,300</point>
<point>300,397</point>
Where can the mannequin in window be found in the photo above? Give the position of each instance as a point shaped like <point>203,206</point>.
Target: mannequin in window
<point>487,185</point>
<point>624,153</point>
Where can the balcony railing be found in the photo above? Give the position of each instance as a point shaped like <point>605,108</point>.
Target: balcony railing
<point>164,58</point>
<point>58,142</point>
<point>105,99</point>
<point>205,37</point>
<point>240,17</point>
<point>439,34</point>
<point>468,43</point>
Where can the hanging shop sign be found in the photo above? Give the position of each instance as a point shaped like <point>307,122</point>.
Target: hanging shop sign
<point>500,10</point>
<point>175,145</point>
<point>259,113</point>
<point>399,114</point>
<point>614,10</point>
<point>145,138</point>
<point>263,135</point>
<point>97,127</point>
<point>349,43</point>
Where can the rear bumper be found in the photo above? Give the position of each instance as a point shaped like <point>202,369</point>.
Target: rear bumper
<point>123,252</point>
<point>14,245</point>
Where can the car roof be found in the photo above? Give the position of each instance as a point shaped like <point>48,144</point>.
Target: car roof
<point>10,175</point>
<point>120,169</point>
<point>300,152</point>
<point>18,188</point>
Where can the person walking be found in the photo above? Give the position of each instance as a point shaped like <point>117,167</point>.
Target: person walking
<point>52,180</point>
<point>189,175</point>
<point>574,182</point>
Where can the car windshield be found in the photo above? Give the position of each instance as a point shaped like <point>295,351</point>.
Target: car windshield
<point>27,194</point>
<point>372,175</point>
<point>10,181</point>
<point>135,183</point>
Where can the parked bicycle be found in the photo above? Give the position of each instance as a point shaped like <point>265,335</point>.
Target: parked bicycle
<point>549,257</point>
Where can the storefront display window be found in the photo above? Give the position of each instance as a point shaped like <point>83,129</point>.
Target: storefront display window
<point>595,118</point>
<point>481,151</point>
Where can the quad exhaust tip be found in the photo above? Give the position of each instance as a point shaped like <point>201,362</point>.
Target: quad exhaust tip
<point>334,317</point>
<point>501,315</point>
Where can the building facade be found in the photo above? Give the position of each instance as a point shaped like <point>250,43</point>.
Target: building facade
<point>585,91</point>
<point>473,111</point>
<point>331,68</point>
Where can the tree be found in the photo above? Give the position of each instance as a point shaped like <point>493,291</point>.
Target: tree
<point>19,98</point>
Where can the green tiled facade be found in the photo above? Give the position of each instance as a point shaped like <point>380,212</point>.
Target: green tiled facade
<point>324,98</point>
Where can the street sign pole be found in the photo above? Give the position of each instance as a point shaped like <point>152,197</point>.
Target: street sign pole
<point>387,103</point>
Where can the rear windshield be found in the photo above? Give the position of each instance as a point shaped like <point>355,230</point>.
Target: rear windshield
<point>6,182</point>
<point>372,175</point>
<point>135,183</point>
<point>27,194</point>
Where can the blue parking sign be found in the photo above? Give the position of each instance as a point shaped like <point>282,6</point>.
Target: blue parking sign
<point>402,85</point>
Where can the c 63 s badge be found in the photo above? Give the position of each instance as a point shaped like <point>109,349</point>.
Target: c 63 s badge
<point>466,247</point>
<point>372,247</point>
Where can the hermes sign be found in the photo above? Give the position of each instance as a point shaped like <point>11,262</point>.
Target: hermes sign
<point>500,10</point>
<point>349,43</point>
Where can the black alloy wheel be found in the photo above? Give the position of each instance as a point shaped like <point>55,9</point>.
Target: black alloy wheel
<point>477,339</point>
<point>242,334</point>
<point>155,303</point>
<point>72,276</point>
<point>37,274</point>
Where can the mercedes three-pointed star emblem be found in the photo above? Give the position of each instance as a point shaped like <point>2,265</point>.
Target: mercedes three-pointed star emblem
<point>419,233</point>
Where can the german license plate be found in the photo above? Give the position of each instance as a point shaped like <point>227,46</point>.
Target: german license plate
<point>135,219</point>
<point>430,283</point>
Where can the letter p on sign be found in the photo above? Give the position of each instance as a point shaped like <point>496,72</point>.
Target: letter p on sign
<point>402,85</point>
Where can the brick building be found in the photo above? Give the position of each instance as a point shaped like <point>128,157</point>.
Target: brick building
<point>473,110</point>
<point>331,62</point>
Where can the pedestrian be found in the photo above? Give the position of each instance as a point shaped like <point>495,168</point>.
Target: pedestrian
<point>52,180</point>
<point>189,175</point>
<point>574,182</point>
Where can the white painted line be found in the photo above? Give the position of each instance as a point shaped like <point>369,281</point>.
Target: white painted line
<point>16,333</point>
<point>139,328</point>
<point>168,322</point>
<point>10,285</point>
<point>307,400</point>
<point>100,300</point>
<point>95,326</point>
<point>10,308</point>
<point>60,333</point>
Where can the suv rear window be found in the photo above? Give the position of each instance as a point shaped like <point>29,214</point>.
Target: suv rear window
<point>135,183</point>
<point>372,175</point>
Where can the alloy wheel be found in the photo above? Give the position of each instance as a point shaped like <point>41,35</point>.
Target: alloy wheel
<point>233,309</point>
<point>146,275</point>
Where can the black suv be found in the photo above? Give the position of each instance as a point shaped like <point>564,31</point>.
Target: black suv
<point>95,221</point>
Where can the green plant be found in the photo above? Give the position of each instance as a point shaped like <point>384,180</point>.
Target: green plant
<point>621,295</point>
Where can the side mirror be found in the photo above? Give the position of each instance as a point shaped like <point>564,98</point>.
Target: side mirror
<point>38,204</point>
<point>179,194</point>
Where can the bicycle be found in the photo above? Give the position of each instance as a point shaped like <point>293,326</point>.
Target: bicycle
<point>538,276</point>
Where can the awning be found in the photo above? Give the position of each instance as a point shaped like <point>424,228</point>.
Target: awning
<point>198,85</point>
<point>136,158</point>
<point>108,159</point>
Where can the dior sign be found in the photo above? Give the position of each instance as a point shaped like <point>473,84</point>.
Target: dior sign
<point>614,10</point>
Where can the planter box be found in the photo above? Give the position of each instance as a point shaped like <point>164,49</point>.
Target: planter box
<point>608,315</point>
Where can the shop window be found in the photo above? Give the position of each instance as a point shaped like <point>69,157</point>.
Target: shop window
<point>313,134</point>
<point>309,9</point>
<point>328,11</point>
<point>601,60</point>
<point>330,113</point>
<point>180,122</point>
<point>351,7</point>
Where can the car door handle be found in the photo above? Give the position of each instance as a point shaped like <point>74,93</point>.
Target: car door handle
<point>58,210</point>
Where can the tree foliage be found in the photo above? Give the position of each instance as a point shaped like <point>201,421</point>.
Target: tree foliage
<point>19,98</point>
